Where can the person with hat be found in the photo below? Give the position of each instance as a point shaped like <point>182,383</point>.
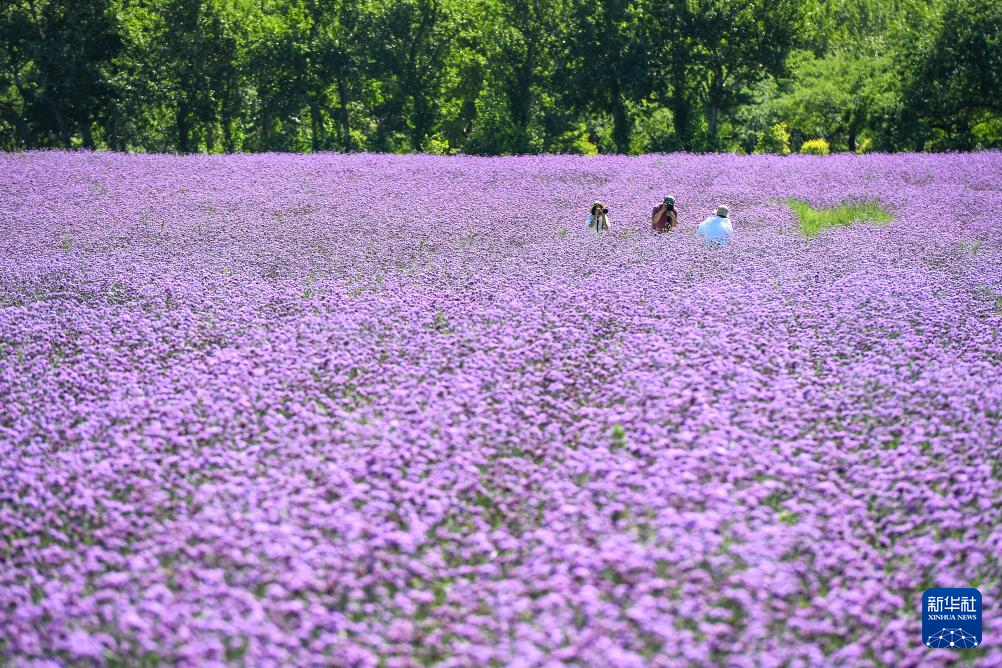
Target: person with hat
<point>664,217</point>
<point>598,217</point>
<point>717,230</point>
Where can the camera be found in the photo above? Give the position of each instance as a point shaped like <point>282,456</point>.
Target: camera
<point>603,210</point>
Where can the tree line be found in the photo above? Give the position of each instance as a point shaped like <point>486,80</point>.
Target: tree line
<point>497,77</point>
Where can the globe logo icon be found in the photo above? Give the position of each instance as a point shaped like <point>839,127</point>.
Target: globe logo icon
<point>952,638</point>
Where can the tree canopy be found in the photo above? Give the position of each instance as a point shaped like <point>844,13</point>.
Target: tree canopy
<point>500,76</point>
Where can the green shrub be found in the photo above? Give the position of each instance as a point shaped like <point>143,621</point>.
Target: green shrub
<point>774,140</point>
<point>575,141</point>
<point>815,221</point>
<point>582,146</point>
<point>437,145</point>
<point>988,132</point>
<point>815,147</point>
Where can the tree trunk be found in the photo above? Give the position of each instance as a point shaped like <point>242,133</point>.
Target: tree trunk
<point>42,64</point>
<point>620,123</point>
<point>421,116</point>
<point>342,98</point>
<point>112,134</point>
<point>712,112</point>
<point>183,130</point>
<point>210,136</point>
<point>518,106</point>
<point>20,122</point>
<point>683,124</point>
<point>316,126</point>
<point>88,138</point>
<point>64,131</point>
<point>22,131</point>
<point>263,131</point>
<point>228,144</point>
<point>679,103</point>
<point>520,100</point>
<point>716,98</point>
<point>226,117</point>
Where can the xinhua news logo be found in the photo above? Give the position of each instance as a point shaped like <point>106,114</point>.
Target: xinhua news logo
<point>951,618</point>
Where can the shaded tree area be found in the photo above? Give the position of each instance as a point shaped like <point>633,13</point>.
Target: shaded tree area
<point>500,76</point>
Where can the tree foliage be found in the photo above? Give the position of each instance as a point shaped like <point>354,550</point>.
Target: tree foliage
<point>500,76</point>
<point>957,68</point>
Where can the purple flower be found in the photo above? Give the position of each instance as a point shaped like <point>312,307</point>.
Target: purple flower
<point>259,412</point>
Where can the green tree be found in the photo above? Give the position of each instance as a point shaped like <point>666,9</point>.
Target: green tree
<point>347,29</point>
<point>737,43</point>
<point>317,47</point>
<point>709,53</point>
<point>16,83</point>
<point>409,58</point>
<point>56,55</point>
<point>196,54</point>
<point>831,25</point>
<point>499,76</point>
<point>956,84</point>
<point>518,86</point>
<point>522,61</point>
<point>605,62</point>
<point>672,67</point>
<point>839,97</point>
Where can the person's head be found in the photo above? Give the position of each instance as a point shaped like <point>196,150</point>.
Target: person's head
<point>599,209</point>
<point>669,201</point>
<point>723,211</point>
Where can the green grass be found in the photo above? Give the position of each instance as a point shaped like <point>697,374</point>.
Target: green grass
<point>815,221</point>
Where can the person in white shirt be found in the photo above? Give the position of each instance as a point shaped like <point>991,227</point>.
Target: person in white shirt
<point>717,230</point>
<point>598,217</point>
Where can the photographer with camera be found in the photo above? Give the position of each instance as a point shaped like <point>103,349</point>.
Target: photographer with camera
<point>598,218</point>
<point>664,217</point>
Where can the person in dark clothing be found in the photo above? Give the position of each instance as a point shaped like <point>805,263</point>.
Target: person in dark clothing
<point>664,217</point>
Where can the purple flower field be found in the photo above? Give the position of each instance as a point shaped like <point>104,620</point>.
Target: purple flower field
<point>371,410</point>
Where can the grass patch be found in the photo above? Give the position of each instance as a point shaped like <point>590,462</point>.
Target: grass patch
<point>815,221</point>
